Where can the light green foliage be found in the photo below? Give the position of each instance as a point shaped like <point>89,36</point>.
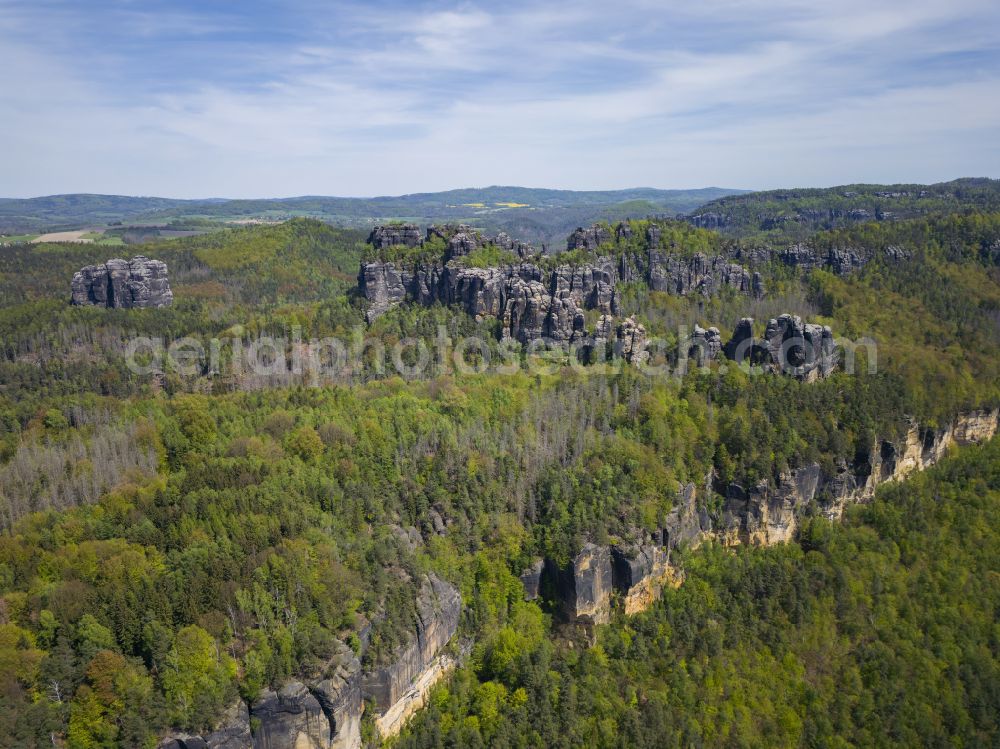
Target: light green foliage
<point>821,644</point>
<point>270,522</point>
<point>197,678</point>
<point>488,256</point>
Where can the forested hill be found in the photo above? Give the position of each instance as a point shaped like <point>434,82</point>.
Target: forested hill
<point>238,557</point>
<point>781,215</point>
<point>539,215</point>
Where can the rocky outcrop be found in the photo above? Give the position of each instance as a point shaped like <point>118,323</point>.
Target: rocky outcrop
<point>710,220</point>
<point>338,692</point>
<point>764,514</point>
<point>687,523</point>
<point>290,717</point>
<point>631,344</point>
<point>584,586</point>
<point>704,345</point>
<point>405,677</point>
<point>124,284</point>
<point>531,579</point>
<point>789,346</point>
<point>641,572</point>
<point>700,274</point>
<point>320,712</point>
<point>589,239</point>
<point>232,732</point>
<point>382,286</point>
<point>534,303</point>
<point>590,286</point>
<point>740,347</point>
<point>805,351</point>
<point>391,722</point>
<point>395,235</point>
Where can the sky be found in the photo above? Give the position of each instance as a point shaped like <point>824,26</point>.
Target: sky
<point>202,98</point>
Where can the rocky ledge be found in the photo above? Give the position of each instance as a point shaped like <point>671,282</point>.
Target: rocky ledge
<point>632,573</point>
<point>323,709</point>
<point>533,302</point>
<point>438,607</point>
<point>139,282</point>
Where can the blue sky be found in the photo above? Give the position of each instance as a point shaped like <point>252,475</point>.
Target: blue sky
<point>262,99</point>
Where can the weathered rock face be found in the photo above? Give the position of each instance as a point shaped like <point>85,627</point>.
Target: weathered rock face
<point>406,235</point>
<point>710,220</point>
<point>800,349</point>
<point>588,239</point>
<point>531,579</point>
<point>321,713</point>
<point>526,311</point>
<point>532,303</point>
<point>126,284</point>
<point>590,286</point>
<point>521,249</point>
<point>339,695</point>
<point>704,345</point>
<point>740,347</point>
<point>290,717</point>
<point>686,524</point>
<point>640,572</point>
<point>631,342</point>
<point>438,609</point>
<point>382,286</point>
<point>699,274</point>
<point>585,585</point>
<point>603,332</point>
<point>975,427</point>
<point>764,514</point>
<point>232,732</point>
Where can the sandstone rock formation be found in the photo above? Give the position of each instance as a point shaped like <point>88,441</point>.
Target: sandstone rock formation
<point>531,579</point>
<point>394,235</point>
<point>640,572</point>
<point>139,282</point>
<point>338,691</point>
<point>438,607</point>
<point>763,514</point>
<point>631,342</point>
<point>533,303</point>
<point>232,732</point>
<point>704,345</point>
<point>588,239</point>
<point>740,347</point>
<point>585,585</point>
<point>382,286</point>
<point>290,717</point>
<point>800,349</point>
<point>700,274</point>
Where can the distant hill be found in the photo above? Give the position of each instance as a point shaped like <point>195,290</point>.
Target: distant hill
<point>541,216</point>
<point>538,215</point>
<point>795,214</point>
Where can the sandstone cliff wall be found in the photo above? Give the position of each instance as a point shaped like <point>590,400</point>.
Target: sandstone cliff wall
<point>761,515</point>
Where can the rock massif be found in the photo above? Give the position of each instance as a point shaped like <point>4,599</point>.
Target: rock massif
<point>438,609</point>
<point>584,585</point>
<point>323,710</point>
<point>139,282</point>
<point>763,514</point>
<point>533,302</point>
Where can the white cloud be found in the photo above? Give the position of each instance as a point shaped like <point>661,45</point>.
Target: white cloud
<point>739,93</point>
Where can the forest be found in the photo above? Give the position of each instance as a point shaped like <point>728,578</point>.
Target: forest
<point>169,545</point>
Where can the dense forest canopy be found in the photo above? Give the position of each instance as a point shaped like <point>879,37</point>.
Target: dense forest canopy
<point>172,544</point>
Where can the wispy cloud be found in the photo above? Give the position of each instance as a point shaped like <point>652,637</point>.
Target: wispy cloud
<point>387,97</point>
